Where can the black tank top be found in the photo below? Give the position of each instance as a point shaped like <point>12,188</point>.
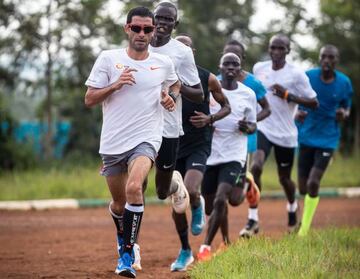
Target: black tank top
<point>196,138</point>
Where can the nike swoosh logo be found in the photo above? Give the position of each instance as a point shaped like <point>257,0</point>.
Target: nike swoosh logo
<point>326,154</point>
<point>196,164</point>
<point>154,68</point>
<point>284,164</point>
<point>167,167</point>
<point>233,174</point>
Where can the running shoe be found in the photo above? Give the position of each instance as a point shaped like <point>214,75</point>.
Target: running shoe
<point>180,199</point>
<point>137,258</point>
<point>184,259</point>
<point>204,253</point>
<point>293,226</point>
<point>198,218</point>
<point>253,192</point>
<point>120,245</point>
<point>251,228</point>
<point>124,266</point>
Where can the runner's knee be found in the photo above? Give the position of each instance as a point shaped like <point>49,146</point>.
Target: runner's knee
<point>313,188</point>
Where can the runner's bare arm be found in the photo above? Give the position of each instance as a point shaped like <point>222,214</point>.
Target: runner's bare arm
<point>193,93</point>
<point>283,93</point>
<point>95,96</point>
<point>265,109</point>
<point>200,119</point>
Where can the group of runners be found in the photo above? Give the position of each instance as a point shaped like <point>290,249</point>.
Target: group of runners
<point>197,129</point>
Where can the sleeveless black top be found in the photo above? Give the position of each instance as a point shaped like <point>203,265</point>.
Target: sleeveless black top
<point>196,138</point>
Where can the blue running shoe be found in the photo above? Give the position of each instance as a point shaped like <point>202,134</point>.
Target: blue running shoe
<point>120,245</point>
<point>198,218</point>
<point>124,267</point>
<point>184,259</point>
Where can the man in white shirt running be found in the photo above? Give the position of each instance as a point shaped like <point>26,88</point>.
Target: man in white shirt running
<point>226,165</point>
<point>286,86</point>
<point>128,83</point>
<point>168,181</point>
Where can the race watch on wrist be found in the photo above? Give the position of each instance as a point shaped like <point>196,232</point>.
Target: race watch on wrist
<point>173,96</point>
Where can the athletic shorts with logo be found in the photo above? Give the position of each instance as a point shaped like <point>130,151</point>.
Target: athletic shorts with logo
<point>284,156</point>
<point>310,157</point>
<point>229,173</point>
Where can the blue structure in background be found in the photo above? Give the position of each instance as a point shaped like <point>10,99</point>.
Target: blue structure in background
<point>34,132</point>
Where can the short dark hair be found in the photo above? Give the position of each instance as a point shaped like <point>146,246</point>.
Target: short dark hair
<point>140,11</point>
<point>168,5</point>
<point>236,43</point>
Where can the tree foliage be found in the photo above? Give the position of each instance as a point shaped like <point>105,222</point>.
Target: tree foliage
<point>48,49</point>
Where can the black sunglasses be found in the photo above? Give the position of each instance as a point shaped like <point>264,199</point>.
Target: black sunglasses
<point>137,28</point>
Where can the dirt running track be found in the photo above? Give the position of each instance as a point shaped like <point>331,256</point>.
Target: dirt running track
<point>81,243</point>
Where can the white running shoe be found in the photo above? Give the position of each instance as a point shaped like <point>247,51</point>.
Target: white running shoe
<point>137,259</point>
<point>180,199</point>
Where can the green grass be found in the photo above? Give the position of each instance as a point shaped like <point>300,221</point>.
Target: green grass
<point>80,182</point>
<point>330,253</point>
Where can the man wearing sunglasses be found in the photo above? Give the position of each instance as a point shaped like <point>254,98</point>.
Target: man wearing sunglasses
<point>287,87</point>
<point>128,83</point>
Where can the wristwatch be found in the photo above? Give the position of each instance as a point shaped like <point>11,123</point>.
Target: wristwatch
<point>173,95</point>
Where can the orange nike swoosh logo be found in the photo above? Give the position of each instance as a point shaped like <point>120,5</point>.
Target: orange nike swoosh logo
<point>154,68</point>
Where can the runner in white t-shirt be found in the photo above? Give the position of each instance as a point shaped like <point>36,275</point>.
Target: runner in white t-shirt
<point>168,181</point>
<point>226,164</point>
<point>287,86</point>
<point>128,83</point>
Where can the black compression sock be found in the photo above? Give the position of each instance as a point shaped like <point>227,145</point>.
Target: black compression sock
<point>132,220</point>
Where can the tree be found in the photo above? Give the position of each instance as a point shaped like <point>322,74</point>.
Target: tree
<point>56,41</point>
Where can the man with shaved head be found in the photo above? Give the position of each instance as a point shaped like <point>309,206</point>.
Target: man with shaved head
<point>195,147</point>
<point>287,87</point>
<point>319,130</point>
<point>226,164</point>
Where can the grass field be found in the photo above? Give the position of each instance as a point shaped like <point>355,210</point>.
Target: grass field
<point>330,253</point>
<point>80,182</point>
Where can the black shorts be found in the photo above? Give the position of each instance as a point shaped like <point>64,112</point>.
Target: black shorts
<point>313,157</point>
<point>284,156</point>
<point>229,173</point>
<point>166,159</point>
<point>196,160</point>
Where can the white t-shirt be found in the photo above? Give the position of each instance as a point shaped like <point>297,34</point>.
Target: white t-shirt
<point>133,114</point>
<point>183,59</point>
<point>228,143</point>
<point>279,127</point>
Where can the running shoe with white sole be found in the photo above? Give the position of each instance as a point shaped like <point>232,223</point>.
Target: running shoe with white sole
<point>124,266</point>
<point>137,258</point>
<point>184,259</point>
<point>251,228</point>
<point>180,199</point>
<point>204,253</point>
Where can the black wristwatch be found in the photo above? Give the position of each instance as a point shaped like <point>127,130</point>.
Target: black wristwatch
<point>173,96</point>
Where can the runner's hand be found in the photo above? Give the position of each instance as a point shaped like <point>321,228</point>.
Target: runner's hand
<point>126,77</point>
<point>200,119</point>
<point>301,115</point>
<point>243,125</point>
<point>278,90</point>
<point>166,101</point>
<point>340,114</point>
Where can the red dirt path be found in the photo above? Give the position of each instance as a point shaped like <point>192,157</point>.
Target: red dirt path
<point>81,243</point>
